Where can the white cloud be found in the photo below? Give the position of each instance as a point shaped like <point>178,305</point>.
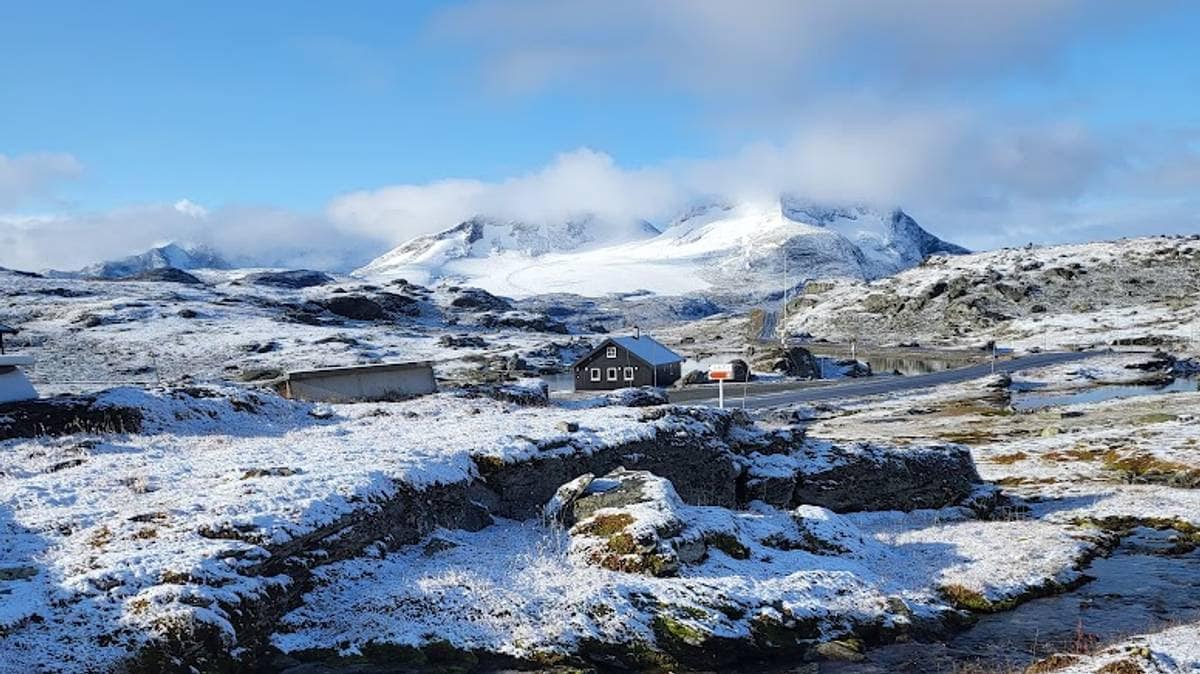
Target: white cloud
<point>582,182</point>
<point>26,177</point>
<point>190,208</point>
<point>248,236</point>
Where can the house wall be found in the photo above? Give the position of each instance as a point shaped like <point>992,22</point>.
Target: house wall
<point>643,374</point>
<point>362,385</point>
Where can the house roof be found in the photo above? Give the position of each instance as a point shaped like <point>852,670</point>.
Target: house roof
<point>377,368</point>
<point>648,349</point>
<point>5,330</point>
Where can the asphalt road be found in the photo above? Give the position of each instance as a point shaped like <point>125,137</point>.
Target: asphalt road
<point>859,388</point>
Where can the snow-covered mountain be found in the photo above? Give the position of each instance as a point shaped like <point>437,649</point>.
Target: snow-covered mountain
<point>171,255</point>
<point>484,237</point>
<point>744,248</point>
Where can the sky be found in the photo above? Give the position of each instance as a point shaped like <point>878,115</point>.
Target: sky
<point>321,136</point>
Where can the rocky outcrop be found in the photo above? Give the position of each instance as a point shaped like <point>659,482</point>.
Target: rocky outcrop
<point>65,415</point>
<point>354,307</point>
<point>296,278</point>
<point>700,464</point>
<point>859,477</point>
<point>635,522</point>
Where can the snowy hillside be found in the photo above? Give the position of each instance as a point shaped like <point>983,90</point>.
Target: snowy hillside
<point>721,248</point>
<point>171,255</point>
<point>484,237</point>
<point>1137,291</point>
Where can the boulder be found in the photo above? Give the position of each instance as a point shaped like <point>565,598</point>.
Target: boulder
<point>462,342</point>
<point>635,522</point>
<point>795,361</point>
<point>644,396</point>
<point>354,307</point>
<point>164,275</point>
<point>296,278</point>
<point>479,299</point>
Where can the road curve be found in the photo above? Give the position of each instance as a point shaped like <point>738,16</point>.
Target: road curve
<point>860,388</point>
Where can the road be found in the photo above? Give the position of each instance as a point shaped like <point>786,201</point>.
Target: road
<point>859,388</point>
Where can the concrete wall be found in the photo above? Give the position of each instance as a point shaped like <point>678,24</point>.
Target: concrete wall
<point>14,386</point>
<point>361,384</point>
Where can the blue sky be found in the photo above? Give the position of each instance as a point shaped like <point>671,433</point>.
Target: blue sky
<point>994,123</point>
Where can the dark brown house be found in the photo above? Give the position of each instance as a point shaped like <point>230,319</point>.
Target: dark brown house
<point>623,362</point>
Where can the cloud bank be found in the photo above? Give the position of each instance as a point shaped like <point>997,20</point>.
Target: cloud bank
<point>26,177</point>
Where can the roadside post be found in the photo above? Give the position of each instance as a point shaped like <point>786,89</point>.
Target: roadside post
<point>720,373</point>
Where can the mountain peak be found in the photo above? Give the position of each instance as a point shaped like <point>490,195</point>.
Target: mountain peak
<point>173,255</point>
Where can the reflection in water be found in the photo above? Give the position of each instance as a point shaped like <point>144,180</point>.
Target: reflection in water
<point>1027,400</point>
<point>1136,590</point>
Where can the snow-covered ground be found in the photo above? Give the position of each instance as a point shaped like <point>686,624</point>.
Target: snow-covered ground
<point>513,588</point>
<point>91,334</point>
<point>1113,464</point>
<point>104,538</point>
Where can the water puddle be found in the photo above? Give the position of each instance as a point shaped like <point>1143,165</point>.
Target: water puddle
<point>1026,396</point>
<point>1137,589</point>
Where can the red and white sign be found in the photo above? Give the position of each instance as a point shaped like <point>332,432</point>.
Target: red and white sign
<point>723,372</point>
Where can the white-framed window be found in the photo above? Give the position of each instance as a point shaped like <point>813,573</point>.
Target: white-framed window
<point>612,374</point>
<point>595,374</point>
<point>628,374</point>
<point>610,352</point>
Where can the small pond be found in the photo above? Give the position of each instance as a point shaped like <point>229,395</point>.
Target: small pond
<point>1028,397</point>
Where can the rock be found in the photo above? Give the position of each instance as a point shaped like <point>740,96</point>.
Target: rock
<point>462,342</point>
<point>635,522</point>
<point>776,490</point>
<point>437,544</point>
<point>478,298</point>
<point>644,396</point>
<point>699,464</point>
<point>844,650</point>
<point>693,378</point>
<point>568,426</point>
<point>188,313</point>
<point>853,368</point>
<point>354,307</point>
<point>518,320</point>
<point>862,477</point>
<point>527,392</point>
<point>398,304</point>
<point>260,374</point>
<point>164,275</point>
<point>561,507</point>
<point>1144,340</point>
<point>65,415</point>
<point>741,370</point>
<point>266,347</point>
<point>795,361</point>
<point>296,278</point>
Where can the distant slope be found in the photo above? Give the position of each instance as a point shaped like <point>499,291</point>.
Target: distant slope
<point>171,255</point>
<point>716,248</point>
